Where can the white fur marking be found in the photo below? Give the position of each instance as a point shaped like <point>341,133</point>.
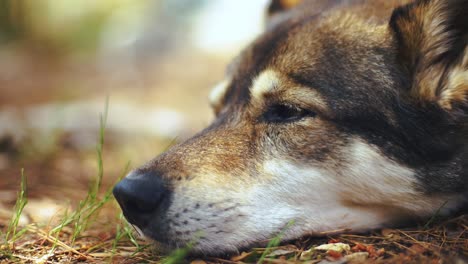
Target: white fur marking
<point>218,92</point>
<point>264,83</point>
<point>312,195</point>
<point>372,179</point>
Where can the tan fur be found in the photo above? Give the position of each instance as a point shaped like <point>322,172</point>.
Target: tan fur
<point>456,89</point>
<point>426,37</point>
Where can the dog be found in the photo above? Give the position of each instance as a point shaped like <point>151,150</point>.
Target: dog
<point>342,116</point>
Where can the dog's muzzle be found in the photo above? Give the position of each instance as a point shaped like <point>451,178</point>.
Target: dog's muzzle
<point>142,195</point>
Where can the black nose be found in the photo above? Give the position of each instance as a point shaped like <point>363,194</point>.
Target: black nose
<point>141,196</point>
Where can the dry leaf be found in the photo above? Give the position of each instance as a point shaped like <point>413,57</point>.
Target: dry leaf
<point>334,254</point>
<point>359,248</point>
<point>358,257</point>
<point>417,249</point>
<point>242,256</point>
<point>388,232</point>
<point>380,252</point>
<point>307,254</point>
<point>44,258</point>
<point>339,247</point>
<point>280,252</point>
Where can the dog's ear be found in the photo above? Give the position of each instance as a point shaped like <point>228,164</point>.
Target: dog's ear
<point>278,6</point>
<point>432,38</point>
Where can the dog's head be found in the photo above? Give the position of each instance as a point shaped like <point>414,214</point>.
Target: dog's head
<point>339,117</point>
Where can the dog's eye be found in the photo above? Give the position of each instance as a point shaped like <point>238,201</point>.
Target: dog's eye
<point>285,113</point>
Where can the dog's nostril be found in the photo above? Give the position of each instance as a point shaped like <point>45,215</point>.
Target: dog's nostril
<point>141,196</point>
<point>139,207</point>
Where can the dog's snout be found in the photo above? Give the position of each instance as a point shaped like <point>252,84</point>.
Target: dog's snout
<point>141,195</point>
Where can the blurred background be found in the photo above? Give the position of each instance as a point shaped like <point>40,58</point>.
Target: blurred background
<point>155,60</point>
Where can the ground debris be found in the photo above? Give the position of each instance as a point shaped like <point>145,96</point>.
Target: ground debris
<point>357,257</point>
<point>338,247</point>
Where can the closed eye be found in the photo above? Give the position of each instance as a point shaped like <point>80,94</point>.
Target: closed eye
<point>282,113</point>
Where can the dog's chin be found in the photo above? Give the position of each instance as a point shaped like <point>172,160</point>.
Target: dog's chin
<point>216,248</point>
<point>201,248</point>
<point>226,253</point>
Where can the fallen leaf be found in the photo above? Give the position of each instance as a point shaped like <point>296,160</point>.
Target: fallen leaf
<point>380,252</point>
<point>359,248</point>
<point>358,257</point>
<point>371,250</point>
<point>101,254</point>
<point>307,254</point>
<point>334,254</point>
<point>388,232</point>
<point>339,247</point>
<point>417,249</point>
<point>242,256</point>
<point>44,258</point>
<point>280,252</point>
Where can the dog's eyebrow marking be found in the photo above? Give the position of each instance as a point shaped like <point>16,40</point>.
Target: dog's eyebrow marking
<point>218,92</point>
<point>265,82</point>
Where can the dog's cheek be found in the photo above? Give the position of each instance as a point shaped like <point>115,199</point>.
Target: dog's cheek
<point>304,199</point>
<point>371,180</point>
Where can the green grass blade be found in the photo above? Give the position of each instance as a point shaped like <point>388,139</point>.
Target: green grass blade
<point>434,216</point>
<point>21,202</point>
<point>274,242</point>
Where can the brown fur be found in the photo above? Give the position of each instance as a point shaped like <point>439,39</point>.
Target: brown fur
<point>433,45</point>
<point>352,104</point>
